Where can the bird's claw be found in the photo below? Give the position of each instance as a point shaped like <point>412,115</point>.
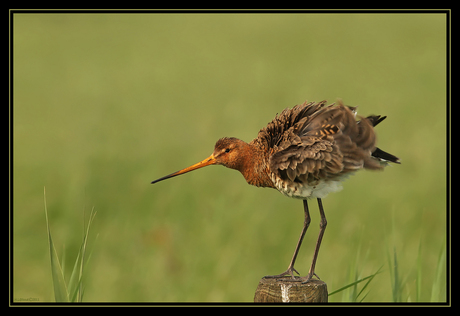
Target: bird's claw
<point>308,277</point>
<point>289,272</point>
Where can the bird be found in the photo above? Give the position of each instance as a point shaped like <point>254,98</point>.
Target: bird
<point>305,152</point>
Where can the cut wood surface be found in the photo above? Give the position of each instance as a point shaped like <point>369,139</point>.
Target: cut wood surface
<point>290,291</point>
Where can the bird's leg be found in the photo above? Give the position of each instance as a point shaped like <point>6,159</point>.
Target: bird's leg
<point>322,228</point>
<point>290,271</point>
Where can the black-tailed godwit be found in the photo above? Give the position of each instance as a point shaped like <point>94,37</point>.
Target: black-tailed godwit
<point>305,152</point>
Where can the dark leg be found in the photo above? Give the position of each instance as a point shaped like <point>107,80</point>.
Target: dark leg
<point>291,270</point>
<point>322,228</point>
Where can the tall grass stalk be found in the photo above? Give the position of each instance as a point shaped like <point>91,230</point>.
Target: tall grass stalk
<point>396,283</point>
<point>438,290</point>
<point>418,280</point>
<point>399,283</point>
<point>73,291</point>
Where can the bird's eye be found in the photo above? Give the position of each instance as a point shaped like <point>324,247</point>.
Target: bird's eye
<point>227,150</point>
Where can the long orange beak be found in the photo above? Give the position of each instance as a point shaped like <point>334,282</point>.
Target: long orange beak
<point>208,161</point>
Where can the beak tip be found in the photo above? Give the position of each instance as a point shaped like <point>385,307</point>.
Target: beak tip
<point>208,161</point>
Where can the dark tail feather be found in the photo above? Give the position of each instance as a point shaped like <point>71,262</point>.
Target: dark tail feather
<point>382,155</point>
<point>375,119</point>
<point>378,153</point>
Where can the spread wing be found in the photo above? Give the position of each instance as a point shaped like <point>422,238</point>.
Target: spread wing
<point>314,141</point>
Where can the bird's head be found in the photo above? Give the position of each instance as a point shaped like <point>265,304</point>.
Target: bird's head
<point>228,152</point>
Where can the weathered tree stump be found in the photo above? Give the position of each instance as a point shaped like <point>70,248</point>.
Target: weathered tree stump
<point>290,291</point>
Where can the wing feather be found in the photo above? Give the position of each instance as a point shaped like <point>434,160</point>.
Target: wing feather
<point>322,142</point>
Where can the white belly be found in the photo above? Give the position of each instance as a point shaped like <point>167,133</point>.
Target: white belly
<point>318,189</point>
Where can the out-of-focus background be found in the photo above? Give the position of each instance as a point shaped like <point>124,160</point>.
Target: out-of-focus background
<point>106,103</point>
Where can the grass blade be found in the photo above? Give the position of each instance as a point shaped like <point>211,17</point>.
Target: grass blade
<point>356,282</point>
<point>418,280</point>
<point>437,291</point>
<point>75,283</point>
<point>396,280</point>
<point>60,289</point>
<point>367,283</point>
<point>74,279</point>
<point>349,285</point>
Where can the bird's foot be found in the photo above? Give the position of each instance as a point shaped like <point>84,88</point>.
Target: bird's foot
<point>289,272</point>
<point>308,277</point>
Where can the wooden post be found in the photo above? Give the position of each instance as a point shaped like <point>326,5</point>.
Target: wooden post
<point>290,291</point>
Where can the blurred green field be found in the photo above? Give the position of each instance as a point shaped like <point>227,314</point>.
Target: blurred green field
<point>106,103</point>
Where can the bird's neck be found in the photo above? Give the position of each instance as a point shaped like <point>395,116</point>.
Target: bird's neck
<point>254,166</point>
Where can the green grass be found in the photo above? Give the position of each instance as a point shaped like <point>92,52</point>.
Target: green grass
<point>71,291</point>
<point>438,289</point>
<point>104,104</point>
<point>353,294</point>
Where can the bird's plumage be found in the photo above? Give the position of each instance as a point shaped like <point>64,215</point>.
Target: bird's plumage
<point>311,146</point>
<point>303,152</point>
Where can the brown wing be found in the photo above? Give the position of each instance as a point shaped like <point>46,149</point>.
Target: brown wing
<point>321,142</point>
<point>285,127</point>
